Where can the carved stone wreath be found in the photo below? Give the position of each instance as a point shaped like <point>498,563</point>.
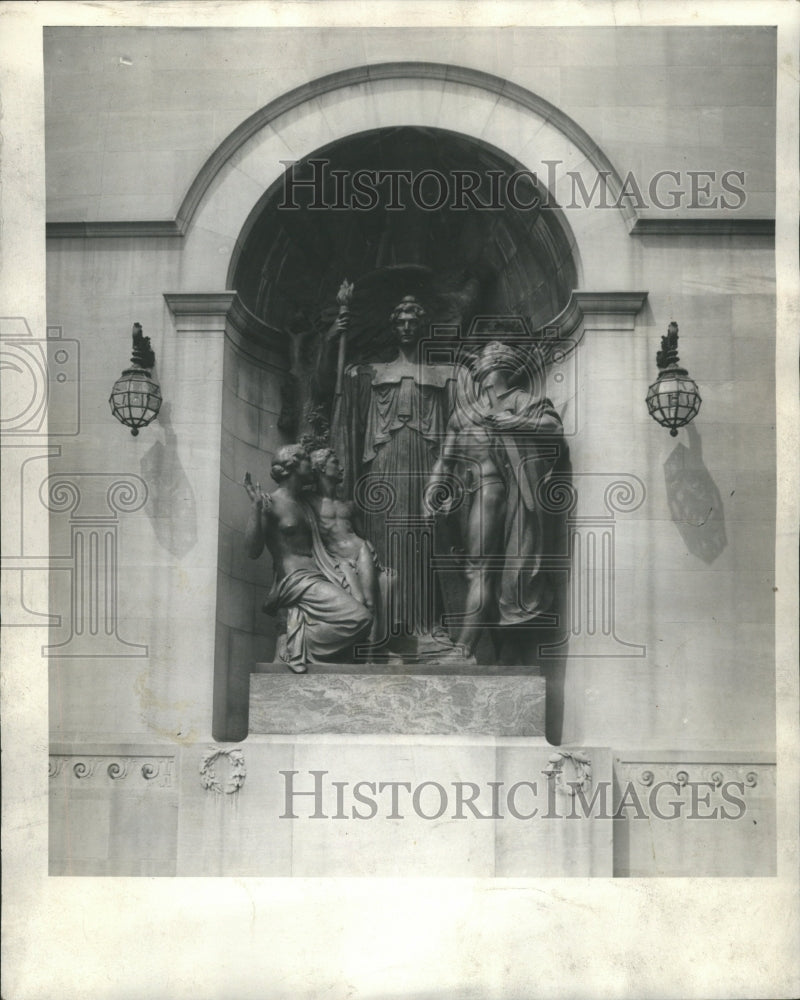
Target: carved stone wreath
<point>580,765</point>
<point>237,770</point>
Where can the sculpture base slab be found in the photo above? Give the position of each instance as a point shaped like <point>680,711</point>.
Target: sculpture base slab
<point>341,701</point>
<point>425,668</point>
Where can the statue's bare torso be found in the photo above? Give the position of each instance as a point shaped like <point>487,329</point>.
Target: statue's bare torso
<point>336,526</point>
<point>287,533</point>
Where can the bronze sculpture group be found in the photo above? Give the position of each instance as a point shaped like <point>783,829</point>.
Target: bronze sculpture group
<point>413,443</point>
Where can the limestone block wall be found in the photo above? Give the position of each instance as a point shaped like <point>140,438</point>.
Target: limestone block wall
<point>252,832</point>
<point>155,809</point>
<point>707,813</point>
<point>250,436</point>
<point>163,598</point>
<point>113,809</point>
<point>134,113</point>
<point>694,561</point>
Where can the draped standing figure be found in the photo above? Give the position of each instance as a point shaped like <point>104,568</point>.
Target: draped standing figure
<point>504,442</point>
<point>390,421</point>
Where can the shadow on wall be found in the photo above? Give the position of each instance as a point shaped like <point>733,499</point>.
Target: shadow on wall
<point>171,504</point>
<point>694,500</point>
<point>555,642</point>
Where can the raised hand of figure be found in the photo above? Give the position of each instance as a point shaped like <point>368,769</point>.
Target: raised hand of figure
<point>343,297</point>
<point>254,492</point>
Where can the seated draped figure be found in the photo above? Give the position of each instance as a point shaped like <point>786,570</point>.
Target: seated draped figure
<point>322,619</point>
<point>339,525</point>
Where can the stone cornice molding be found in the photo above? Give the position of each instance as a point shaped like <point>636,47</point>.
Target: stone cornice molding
<point>170,228</point>
<point>119,229</point>
<point>742,757</point>
<point>193,306</point>
<point>592,310</point>
<point>354,76</point>
<point>703,227</point>
<point>198,312</point>
<point>195,312</point>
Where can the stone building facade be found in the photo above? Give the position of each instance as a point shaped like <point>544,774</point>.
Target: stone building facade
<point>165,149</point>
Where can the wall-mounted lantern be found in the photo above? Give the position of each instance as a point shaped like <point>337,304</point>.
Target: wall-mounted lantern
<point>136,397</point>
<point>673,399</point>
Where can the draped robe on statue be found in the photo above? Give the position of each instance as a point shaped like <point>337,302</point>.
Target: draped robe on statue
<point>390,422</point>
<point>323,619</point>
<point>526,456</point>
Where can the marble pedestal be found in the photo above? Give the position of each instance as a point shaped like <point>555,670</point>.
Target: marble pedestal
<point>368,699</point>
<point>402,770</point>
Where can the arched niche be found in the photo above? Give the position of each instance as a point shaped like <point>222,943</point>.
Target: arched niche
<point>234,241</point>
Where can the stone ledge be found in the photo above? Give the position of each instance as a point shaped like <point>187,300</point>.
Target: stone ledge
<point>420,669</point>
<point>407,704</point>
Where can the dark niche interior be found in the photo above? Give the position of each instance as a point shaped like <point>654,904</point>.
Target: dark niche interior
<point>465,262</point>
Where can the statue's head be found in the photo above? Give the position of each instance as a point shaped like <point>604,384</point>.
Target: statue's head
<point>408,320</point>
<point>292,458</point>
<point>514,365</point>
<point>325,462</point>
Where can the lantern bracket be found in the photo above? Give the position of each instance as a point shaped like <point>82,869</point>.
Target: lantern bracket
<point>142,356</point>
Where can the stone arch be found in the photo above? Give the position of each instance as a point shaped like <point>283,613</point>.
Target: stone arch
<point>486,108</point>
<point>396,71</point>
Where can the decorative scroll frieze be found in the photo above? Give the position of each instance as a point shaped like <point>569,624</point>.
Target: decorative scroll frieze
<point>715,776</point>
<point>680,785</point>
<point>681,771</point>
<point>96,768</point>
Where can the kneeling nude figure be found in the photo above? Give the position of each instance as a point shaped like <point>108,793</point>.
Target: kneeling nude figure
<point>323,620</point>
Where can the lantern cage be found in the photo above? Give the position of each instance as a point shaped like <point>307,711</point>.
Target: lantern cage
<point>673,400</point>
<point>136,396</point>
